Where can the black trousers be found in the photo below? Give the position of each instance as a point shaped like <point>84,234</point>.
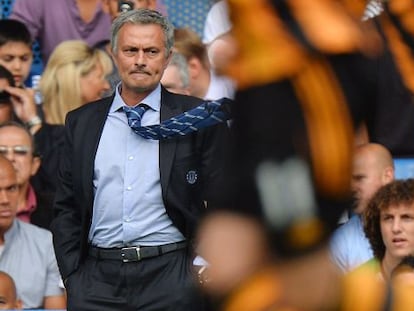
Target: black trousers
<point>160,283</point>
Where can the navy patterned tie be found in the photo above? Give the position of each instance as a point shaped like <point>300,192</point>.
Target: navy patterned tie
<point>207,114</point>
<point>134,114</point>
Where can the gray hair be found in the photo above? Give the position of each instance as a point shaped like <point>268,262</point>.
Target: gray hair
<point>142,17</point>
<point>178,60</point>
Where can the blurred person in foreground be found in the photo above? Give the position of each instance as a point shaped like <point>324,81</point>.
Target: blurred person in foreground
<point>402,278</point>
<point>127,207</point>
<point>302,92</point>
<point>372,167</point>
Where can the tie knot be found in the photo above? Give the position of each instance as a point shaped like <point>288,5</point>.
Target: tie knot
<point>134,114</point>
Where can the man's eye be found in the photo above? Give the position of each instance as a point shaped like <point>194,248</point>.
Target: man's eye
<point>7,59</point>
<point>130,51</point>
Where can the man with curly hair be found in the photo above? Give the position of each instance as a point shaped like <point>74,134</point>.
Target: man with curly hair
<point>389,225</point>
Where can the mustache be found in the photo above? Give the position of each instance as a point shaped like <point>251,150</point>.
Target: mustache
<point>140,71</point>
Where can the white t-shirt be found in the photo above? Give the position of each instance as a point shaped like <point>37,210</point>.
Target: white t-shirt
<point>217,22</point>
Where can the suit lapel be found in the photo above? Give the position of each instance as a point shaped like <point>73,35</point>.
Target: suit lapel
<point>169,108</point>
<point>94,127</point>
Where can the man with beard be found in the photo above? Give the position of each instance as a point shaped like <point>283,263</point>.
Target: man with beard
<point>371,169</point>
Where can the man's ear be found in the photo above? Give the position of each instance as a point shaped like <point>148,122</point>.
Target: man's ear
<point>194,67</point>
<point>389,174</point>
<point>36,161</point>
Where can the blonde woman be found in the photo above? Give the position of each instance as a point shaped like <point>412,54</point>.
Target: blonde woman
<point>75,75</point>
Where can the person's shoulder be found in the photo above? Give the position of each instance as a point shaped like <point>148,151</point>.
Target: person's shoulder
<point>350,225</point>
<point>34,232</point>
<point>92,106</point>
<point>53,130</point>
<point>186,101</point>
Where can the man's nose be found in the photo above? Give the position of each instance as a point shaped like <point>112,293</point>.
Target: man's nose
<point>396,225</point>
<point>8,154</point>
<point>140,58</point>
<point>4,197</point>
<point>16,64</point>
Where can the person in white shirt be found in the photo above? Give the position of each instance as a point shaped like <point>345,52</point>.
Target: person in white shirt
<point>204,83</point>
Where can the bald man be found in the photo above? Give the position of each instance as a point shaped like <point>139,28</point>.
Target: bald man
<point>372,168</point>
<point>26,251</point>
<point>8,295</point>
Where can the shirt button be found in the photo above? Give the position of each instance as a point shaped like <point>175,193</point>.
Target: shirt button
<point>129,188</point>
<point>131,158</point>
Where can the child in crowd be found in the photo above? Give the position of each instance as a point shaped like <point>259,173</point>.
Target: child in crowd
<point>8,295</point>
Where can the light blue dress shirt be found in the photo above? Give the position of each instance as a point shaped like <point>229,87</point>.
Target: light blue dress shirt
<point>349,246</point>
<point>128,208</point>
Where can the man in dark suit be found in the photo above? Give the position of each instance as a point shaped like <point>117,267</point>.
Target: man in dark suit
<point>127,207</point>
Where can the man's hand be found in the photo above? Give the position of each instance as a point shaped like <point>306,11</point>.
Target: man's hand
<point>23,103</point>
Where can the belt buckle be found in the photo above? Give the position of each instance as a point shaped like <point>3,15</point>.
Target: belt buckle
<point>125,251</point>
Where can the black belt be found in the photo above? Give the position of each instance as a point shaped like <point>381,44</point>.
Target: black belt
<point>135,253</point>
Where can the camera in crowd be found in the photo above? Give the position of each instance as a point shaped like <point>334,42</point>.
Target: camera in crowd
<point>125,6</point>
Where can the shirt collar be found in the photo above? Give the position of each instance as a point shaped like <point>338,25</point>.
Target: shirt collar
<point>153,99</point>
<point>30,206</point>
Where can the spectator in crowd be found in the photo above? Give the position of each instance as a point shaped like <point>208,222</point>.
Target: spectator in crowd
<point>17,145</point>
<point>16,56</point>
<point>372,168</point>
<point>216,33</point>
<point>16,49</point>
<point>176,78</point>
<point>115,7</point>
<point>75,75</point>
<point>389,225</point>
<point>52,22</point>
<point>8,294</point>
<point>26,250</point>
<point>141,250</point>
<point>204,83</point>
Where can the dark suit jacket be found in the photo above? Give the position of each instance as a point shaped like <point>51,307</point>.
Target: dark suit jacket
<point>202,152</point>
